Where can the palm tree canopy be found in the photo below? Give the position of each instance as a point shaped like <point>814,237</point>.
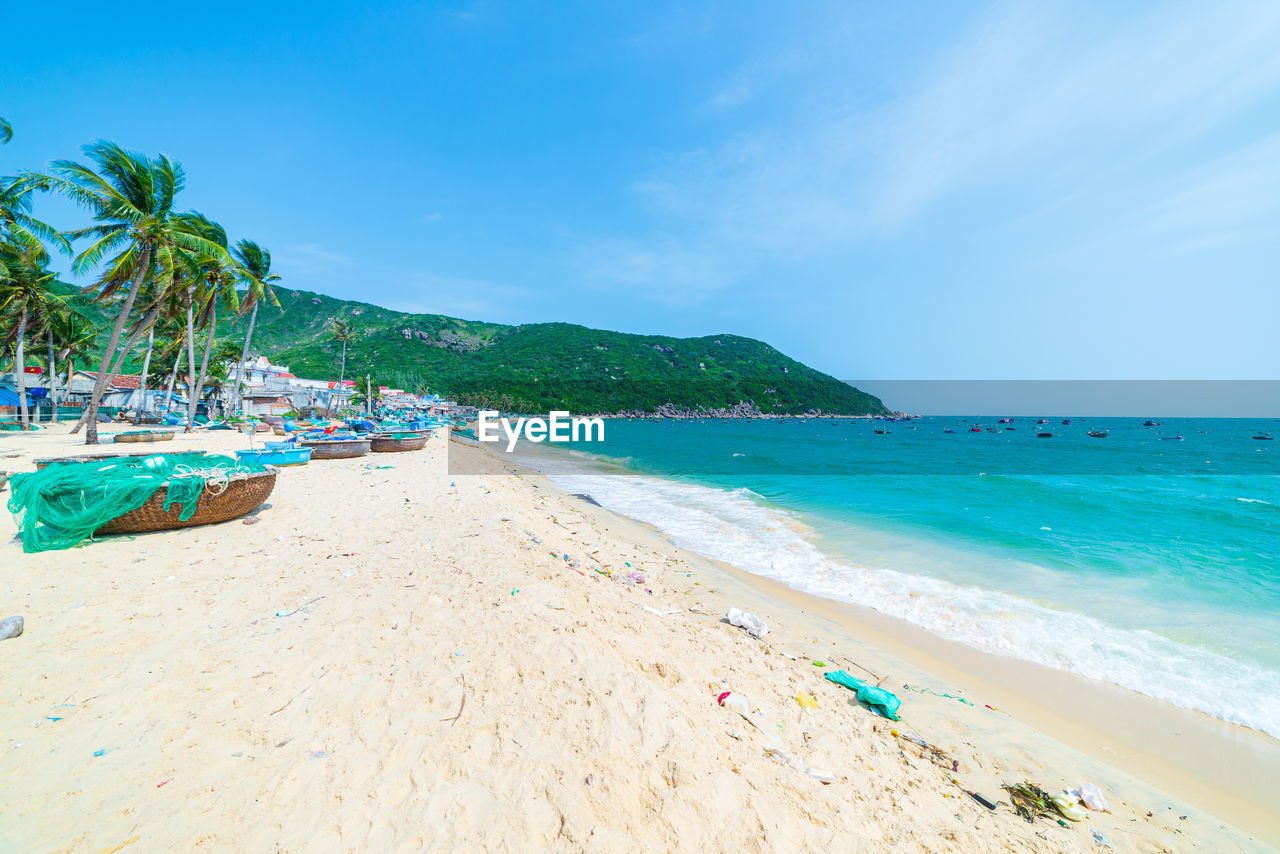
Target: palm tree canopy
<point>25,287</point>
<point>255,272</point>
<point>131,198</point>
<point>6,130</point>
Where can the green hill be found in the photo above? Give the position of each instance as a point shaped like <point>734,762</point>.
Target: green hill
<point>543,366</point>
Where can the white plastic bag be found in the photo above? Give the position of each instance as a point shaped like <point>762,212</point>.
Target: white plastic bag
<point>750,623</point>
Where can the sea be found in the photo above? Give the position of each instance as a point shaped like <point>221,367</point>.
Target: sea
<point>1148,557</point>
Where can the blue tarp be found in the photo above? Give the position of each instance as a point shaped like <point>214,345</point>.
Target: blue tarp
<point>9,397</point>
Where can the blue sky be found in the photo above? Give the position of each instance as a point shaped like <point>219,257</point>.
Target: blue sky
<point>922,191</point>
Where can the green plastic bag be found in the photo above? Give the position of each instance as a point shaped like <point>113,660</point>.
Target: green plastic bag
<point>885,702</point>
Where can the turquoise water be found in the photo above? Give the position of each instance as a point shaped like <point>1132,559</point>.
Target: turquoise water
<point>1142,559</point>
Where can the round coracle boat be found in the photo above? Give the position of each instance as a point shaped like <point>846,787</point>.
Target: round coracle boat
<point>335,449</point>
<point>241,494</point>
<point>400,442</point>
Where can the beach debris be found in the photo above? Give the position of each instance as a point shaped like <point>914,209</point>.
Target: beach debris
<point>318,754</point>
<point>882,701</point>
<point>1091,796</point>
<point>591,779</point>
<point>806,701</point>
<point>252,520</point>
<point>1101,840</point>
<point>10,627</point>
<point>819,664</point>
<point>917,689</point>
<point>1032,802</point>
<point>659,612</point>
<point>986,803</point>
<point>935,754</point>
<point>284,613</point>
<point>453,720</point>
<point>749,623</point>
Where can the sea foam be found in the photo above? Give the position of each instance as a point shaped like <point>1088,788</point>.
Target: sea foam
<point>736,526</point>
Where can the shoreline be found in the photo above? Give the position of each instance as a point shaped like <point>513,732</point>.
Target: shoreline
<point>1219,765</point>
<point>396,656</point>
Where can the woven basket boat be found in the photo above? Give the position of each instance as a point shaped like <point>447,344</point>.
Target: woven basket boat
<point>242,495</point>
<point>279,430</point>
<point>97,458</point>
<point>388,444</point>
<point>145,436</point>
<point>335,449</point>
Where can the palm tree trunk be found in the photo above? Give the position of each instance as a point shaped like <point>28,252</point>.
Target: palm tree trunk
<point>146,366</point>
<point>342,375</point>
<point>173,378</point>
<point>194,400</point>
<point>244,354</point>
<point>100,385</point>
<point>19,371</point>
<point>147,323</point>
<point>191,356</point>
<point>53,374</point>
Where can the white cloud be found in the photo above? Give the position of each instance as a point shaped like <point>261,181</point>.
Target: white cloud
<point>1036,104</point>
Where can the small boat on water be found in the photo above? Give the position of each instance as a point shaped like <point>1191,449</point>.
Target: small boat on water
<point>1177,438</point>
<point>1152,423</point>
<point>948,430</point>
<point>1043,421</point>
<point>1011,428</point>
<point>1066,421</point>
<point>881,432</point>
<point>1044,435</point>
<point>1264,437</point>
<point>993,429</point>
<point>1099,434</point>
<point>975,429</point>
<point>1005,421</point>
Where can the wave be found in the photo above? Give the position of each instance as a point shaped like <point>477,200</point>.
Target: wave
<point>737,527</point>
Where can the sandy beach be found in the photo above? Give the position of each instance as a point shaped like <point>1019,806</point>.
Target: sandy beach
<point>394,657</point>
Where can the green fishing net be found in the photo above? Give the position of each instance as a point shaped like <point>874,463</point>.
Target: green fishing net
<point>63,504</point>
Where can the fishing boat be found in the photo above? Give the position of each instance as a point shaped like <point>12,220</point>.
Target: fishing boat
<point>1005,421</point>
<point>289,455</point>
<point>1264,437</point>
<point>881,432</point>
<point>1152,423</point>
<point>1099,434</point>
<point>1043,421</point>
<point>993,429</point>
<point>1177,438</point>
<point>382,443</point>
<point>145,436</point>
<point>1044,435</point>
<point>975,429</point>
<point>240,495</point>
<point>336,449</point>
<point>948,430</point>
<point>1066,421</point>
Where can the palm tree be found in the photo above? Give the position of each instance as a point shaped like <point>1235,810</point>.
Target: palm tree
<point>16,223</point>
<point>255,265</point>
<point>6,130</point>
<point>74,336</point>
<point>344,331</point>
<point>213,276</point>
<point>131,197</point>
<point>24,295</point>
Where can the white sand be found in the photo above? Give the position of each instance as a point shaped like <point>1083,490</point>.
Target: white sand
<point>460,687</point>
